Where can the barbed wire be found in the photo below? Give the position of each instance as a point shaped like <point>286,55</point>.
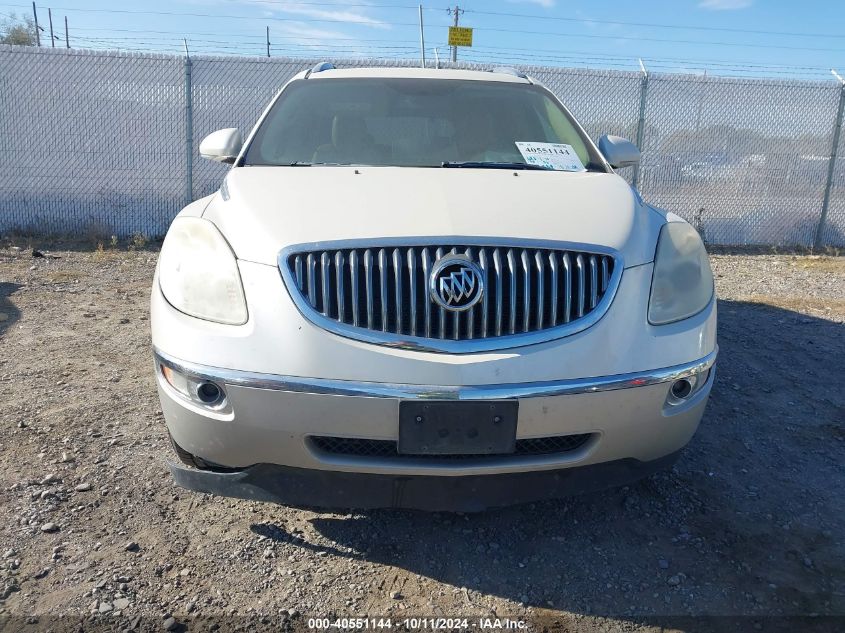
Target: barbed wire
<point>289,45</point>
<point>529,52</point>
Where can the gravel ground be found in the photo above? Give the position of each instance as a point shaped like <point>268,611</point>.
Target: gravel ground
<point>750,521</point>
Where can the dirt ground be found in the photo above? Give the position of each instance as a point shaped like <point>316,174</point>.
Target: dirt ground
<point>748,524</point>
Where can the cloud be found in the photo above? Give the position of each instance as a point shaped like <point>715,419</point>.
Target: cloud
<point>724,5</point>
<point>300,34</point>
<point>351,15</point>
<point>546,4</point>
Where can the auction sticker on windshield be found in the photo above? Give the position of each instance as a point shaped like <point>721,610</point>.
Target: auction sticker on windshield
<point>559,156</point>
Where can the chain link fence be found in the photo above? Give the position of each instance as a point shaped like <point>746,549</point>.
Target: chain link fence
<point>95,142</point>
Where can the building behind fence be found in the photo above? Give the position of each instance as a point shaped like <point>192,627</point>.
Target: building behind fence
<point>106,142</point>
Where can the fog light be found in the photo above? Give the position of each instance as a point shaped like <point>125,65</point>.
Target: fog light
<point>681,388</point>
<point>197,390</point>
<point>685,388</point>
<point>209,393</point>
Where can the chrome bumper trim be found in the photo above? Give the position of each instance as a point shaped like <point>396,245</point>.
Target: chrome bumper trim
<point>431,392</point>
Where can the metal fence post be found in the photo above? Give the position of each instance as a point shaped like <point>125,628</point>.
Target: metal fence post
<point>641,122</point>
<point>837,128</point>
<point>189,131</point>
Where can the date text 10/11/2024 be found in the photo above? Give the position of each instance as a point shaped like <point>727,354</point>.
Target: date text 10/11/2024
<point>417,624</point>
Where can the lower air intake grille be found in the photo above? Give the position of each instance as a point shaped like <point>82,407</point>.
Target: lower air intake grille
<point>387,449</point>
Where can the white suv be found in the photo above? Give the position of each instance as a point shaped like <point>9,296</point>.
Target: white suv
<point>427,288</point>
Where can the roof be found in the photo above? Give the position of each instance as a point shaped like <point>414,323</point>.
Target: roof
<point>418,73</point>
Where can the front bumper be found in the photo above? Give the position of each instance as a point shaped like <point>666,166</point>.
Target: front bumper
<point>300,487</point>
<point>266,427</point>
<point>270,419</point>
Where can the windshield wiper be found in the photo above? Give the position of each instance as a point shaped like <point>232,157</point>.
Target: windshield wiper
<point>490,165</point>
<point>301,163</point>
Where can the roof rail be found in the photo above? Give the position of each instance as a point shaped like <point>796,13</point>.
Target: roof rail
<point>318,68</point>
<point>507,70</point>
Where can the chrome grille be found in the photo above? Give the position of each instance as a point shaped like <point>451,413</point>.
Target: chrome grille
<point>383,289</point>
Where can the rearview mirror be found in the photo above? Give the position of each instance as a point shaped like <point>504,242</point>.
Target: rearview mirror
<point>618,151</point>
<point>222,145</point>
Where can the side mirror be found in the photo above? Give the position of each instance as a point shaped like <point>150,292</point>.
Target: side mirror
<point>619,152</point>
<point>222,145</point>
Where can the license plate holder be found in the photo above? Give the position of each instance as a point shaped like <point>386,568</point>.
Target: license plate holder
<point>457,427</point>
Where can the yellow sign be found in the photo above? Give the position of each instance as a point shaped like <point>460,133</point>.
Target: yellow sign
<point>460,36</point>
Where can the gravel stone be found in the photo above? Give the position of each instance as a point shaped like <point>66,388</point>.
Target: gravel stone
<point>718,512</point>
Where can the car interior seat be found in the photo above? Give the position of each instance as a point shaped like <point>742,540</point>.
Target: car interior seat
<point>351,143</point>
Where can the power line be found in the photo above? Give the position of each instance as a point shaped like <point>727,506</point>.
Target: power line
<point>380,47</point>
<point>284,3</point>
<point>369,22</point>
<point>662,40</point>
<point>228,43</point>
<point>182,34</point>
<point>492,30</point>
<point>656,25</point>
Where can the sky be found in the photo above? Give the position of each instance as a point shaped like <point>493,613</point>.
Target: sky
<point>772,38</point>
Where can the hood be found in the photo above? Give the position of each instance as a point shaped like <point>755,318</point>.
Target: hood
<point>268,208</point>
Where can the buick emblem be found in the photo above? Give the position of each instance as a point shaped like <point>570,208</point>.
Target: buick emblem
<point>455,283</point>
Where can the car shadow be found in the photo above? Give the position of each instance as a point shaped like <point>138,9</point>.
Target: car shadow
<point>9,313</point>
<point>746,523</point>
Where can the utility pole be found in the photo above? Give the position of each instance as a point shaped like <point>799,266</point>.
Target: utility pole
<point>422,39</point>
<point>52,37</point>
<point>67,38</point>
<point>268,41</point>
<point>35,16</point>
<point>457,11</point>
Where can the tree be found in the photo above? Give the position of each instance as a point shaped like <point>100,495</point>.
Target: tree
<point>20,32</point>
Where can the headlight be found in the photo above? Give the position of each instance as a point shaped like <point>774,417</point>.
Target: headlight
<point>682,284</point>
<point>198,273</point>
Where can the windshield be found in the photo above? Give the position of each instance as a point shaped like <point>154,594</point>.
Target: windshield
<point>412,122</point>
